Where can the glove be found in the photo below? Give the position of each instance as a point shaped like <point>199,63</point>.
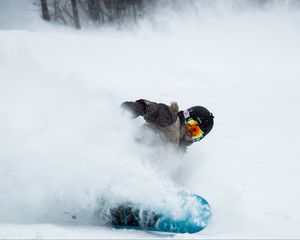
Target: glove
<point>136,108</point>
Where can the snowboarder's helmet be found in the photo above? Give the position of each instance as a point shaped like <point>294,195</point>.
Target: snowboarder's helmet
<point>204,118</point>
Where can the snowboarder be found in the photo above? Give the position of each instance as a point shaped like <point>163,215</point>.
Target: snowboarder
<point>182,128</point>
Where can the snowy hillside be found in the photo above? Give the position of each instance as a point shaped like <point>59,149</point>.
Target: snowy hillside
<point>65,144</point>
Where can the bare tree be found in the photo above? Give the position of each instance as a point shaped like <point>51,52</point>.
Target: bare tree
<point>99,12</point>
<point>93,9</point>
<point>58,15</point>
<point>75,14</point>
<point>45,11</point>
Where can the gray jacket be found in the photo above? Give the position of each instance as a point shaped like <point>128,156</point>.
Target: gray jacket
<point>163,119</point>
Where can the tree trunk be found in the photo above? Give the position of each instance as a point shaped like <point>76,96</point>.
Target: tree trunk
<point>56,9</point>
<point>45,12</point>
<point>75,14</point>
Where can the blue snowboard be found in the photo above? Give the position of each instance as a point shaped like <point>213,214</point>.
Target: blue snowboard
<point>195,217</point>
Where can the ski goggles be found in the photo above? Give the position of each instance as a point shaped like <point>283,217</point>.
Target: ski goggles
<point>193,127</point>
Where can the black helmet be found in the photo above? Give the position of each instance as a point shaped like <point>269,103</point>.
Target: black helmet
<point>204,118</point>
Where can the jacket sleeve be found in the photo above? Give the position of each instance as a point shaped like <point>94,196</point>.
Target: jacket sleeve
<point>158,114</point>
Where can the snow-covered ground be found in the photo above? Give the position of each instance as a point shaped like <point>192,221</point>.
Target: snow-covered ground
<point>65,144</point>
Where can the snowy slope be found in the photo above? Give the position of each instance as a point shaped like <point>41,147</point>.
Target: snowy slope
<point>64,144</point>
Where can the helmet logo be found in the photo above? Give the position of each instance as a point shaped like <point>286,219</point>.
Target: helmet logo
<point>186,114</point>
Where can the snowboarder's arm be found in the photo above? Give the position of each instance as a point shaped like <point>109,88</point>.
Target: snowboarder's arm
<point>157,113</point>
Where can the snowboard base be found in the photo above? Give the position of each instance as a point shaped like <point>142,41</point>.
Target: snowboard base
<point>196,215</point>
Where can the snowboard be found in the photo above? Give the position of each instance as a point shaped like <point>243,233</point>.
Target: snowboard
<point>195,216</point>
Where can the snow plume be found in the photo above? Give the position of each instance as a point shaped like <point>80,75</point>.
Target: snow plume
<point>64,149</point>
<point>65,145</point>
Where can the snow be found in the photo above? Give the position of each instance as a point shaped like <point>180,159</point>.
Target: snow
<point>65,144</point>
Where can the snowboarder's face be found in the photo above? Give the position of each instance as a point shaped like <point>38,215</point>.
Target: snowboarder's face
<point>188,136</point>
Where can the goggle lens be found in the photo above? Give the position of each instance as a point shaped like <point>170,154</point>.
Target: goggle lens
<point>193,127</point>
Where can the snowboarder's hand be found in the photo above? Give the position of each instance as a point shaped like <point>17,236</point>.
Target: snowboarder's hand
<point>136,108</point>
